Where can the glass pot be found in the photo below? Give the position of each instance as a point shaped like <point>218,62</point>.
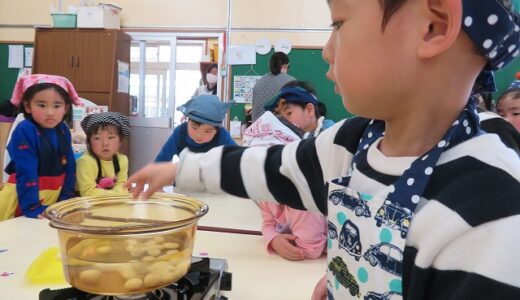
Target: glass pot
<point>115,245</point>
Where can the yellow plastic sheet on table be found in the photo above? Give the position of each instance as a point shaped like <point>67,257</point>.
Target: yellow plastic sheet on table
<point>47,268</point>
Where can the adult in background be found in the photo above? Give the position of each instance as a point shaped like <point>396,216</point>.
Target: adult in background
<point>210,87</point>
<point>271,83</point>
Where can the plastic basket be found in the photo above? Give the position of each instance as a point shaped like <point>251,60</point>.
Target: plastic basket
<point>64,20</point>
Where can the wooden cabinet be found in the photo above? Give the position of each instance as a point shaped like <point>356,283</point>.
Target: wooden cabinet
<point>88,58</point>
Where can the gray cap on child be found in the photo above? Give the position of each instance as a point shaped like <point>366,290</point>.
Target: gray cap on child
<point>206,109</point>
<point>113,118</point>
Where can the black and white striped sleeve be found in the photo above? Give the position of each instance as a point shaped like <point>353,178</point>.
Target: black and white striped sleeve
<point>294,174</point>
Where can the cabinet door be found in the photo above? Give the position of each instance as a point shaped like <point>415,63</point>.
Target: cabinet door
<point>95,60</point>
<point>55,53</point>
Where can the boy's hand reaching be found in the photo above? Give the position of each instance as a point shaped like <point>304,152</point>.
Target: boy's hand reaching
<point>155,175</point>
<point>283,244</point>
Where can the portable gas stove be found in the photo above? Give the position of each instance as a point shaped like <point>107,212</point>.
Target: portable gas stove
<point>204,281</point>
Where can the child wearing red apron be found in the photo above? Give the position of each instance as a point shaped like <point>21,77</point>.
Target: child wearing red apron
<point>42,167</point>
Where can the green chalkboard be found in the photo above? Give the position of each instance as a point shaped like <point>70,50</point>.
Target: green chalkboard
<point>305,64</point>
<point>308,65</point>
<point>7,76</point>
<point>505,76</point>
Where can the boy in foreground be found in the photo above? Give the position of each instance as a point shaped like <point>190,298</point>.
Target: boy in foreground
<point>425,205</point>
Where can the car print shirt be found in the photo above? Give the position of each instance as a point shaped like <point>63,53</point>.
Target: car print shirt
<point>468,208</point>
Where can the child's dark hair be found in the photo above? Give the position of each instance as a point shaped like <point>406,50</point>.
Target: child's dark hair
<point>514,92</point>
<point>199,123</point>
<point>28,95</point>
<point>277,61</point>
<point>211,67</point>
<point>320,109</point>
<point>101,126</point>
<point>390,7</point>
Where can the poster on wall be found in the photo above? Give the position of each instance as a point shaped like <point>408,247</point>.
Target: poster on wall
<point>123,77</point>
<point>15,60</point>
<point>28,56</point>
<point>243,88</point>
<point>241,55</point>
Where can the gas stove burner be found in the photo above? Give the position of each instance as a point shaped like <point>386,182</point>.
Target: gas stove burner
<point>204,280</point>
<point>159,294</point>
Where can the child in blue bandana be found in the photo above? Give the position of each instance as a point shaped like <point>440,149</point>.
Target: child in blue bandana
<point>421,203</point>
<point>203,129</point>
<point>509,103</point>
<point>297,102</point>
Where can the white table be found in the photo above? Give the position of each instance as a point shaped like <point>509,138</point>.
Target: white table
<point>226,211</point>
<point>256,274</point>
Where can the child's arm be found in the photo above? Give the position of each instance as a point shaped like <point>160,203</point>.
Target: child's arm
<point>23,150</point>
<point>67,190</point>
<point>308,236</point>
<point>310,229</point>
<point>268,223</point>
<point>169,149</point>
<point>283,244</point>
<point>294,175</point>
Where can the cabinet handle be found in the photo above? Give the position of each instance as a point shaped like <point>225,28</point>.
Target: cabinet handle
<point>77,61</point>
<point>71,61</point>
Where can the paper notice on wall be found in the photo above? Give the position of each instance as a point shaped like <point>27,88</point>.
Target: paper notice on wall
<point>89,110</point>
<point>241,55</point>
<point>28,52</point>
<point>243,88</point>
<point>123,77</point>
<point>235,129</point>
<point>24,72</point>
<point>15,57</point>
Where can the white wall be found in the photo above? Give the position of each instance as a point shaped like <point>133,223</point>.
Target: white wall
<point>194,14</point>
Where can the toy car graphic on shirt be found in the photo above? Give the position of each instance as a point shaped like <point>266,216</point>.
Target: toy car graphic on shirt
<point>339,269</point>
<point>350,199</point>
<point>387,256</point>
<point>349,239</point>
<point>391,295</point>
<point>333,232</point>
<point>395,216</point>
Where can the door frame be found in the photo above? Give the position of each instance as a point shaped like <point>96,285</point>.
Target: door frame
<point>173,37</point>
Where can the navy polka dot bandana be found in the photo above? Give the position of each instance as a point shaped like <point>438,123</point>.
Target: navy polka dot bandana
<point>410,186</point>
<point>493,26</point>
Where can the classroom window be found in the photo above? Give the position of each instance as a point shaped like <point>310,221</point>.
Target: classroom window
<point>157,65</point>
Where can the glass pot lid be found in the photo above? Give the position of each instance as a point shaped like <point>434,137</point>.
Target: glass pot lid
<point>120,215</point>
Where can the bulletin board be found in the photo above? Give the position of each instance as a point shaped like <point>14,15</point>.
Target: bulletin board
<point>243,88</point>
<point>308,65</point>
<point>7,76</point>
<point>305,64</point>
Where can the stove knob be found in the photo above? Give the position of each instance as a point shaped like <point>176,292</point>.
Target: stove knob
<point>225,281</point>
